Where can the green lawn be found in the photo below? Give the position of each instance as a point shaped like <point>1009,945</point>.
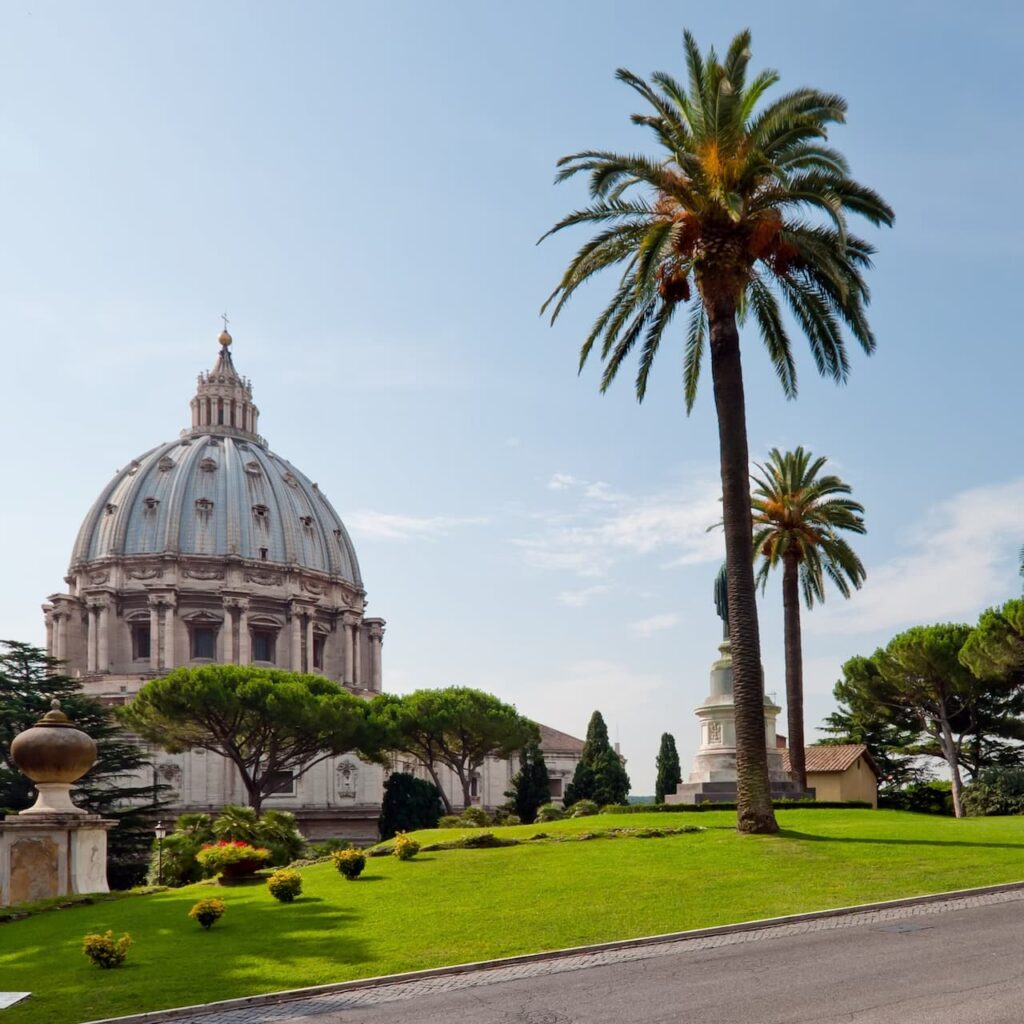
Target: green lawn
<point>456,906</point>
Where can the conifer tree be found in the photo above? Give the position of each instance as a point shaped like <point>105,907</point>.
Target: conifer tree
<point>669,772</point>
<point>530,787</point>
<point>116,787</point>
<point>600,775</point>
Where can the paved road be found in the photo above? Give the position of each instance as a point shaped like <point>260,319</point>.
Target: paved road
<point>955,962</point>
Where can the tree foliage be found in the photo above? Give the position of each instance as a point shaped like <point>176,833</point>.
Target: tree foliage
<point>918,686</point>
<point>117,786</point>
<point>995,648</point>
<point>798,517</point>
<point>262,720</point>
<point>600,774</point>
<point>408,804</point>
<point>530,786</point>
<point>457,727</point>
<point>740,213</point>
<point>670,773</point>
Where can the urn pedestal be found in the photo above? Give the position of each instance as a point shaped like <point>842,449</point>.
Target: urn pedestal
<point>52,848</point>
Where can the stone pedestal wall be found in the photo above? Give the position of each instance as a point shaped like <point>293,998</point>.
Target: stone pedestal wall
<point>43,855</point>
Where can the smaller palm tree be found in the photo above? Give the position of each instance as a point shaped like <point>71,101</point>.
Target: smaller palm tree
<point>798,516</point>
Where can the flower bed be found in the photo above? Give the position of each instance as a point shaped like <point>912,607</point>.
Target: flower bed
<point>232,858</point>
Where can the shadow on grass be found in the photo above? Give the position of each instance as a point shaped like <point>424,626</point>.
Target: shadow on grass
<point>809,837</point>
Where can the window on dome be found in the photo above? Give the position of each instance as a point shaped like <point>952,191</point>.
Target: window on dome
<point>260,511</point>
<point>140,643</point>
<point>203,642</point>
<point>319,643</point>
<point>263,554</point>
<point>263,645</point>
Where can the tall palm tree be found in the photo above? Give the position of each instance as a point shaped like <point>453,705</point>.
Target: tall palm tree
<point>797,518</point>
<point>741,211</point>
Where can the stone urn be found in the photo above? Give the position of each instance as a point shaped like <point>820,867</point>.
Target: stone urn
<point>53,754</point>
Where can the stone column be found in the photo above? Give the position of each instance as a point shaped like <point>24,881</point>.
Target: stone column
<point>154,634</point>
<point>227,636</point>
<point>169,631</point>
<point>296,660</point>
<point>62,636</point>
<point>103,639</point>
<point>357,656</point>
<point>244,657</point>
<point>348,642</point>
<point>50,638</point>
<point>376,636</point>
<point>90,638</point>
<point>309,642</point>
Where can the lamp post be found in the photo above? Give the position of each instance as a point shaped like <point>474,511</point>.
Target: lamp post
<point>160,832</point>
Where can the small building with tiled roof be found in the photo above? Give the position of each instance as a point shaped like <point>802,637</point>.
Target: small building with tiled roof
<point>840,772</point>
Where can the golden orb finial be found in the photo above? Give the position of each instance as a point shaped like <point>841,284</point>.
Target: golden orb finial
<point>225,338</point>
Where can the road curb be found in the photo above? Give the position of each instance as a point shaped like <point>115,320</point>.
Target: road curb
<point>291,995</point>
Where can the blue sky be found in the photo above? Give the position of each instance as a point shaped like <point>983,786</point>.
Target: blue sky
<point>362,186</point>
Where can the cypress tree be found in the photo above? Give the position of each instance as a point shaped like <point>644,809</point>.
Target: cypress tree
<point>530,788</point>
<point>669,772</point>
<point>600,775</point>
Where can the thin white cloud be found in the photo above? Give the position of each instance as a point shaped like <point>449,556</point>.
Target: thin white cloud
<point>608,526</point>
<point>582,686</point>
<point>583,596</point>
<point>655,624</point>
<point>561,482</point>
<point>397,527</point>
<point>960,560</point>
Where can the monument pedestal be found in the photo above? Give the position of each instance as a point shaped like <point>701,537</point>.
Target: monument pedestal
<point>713,778</point>
<point>47,855</point>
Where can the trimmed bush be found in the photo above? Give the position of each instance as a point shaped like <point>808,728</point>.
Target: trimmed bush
<point>104,950</point>
<point>350,863</point>
<point>285,885</point>
<point>502,816</point>
<point>405,847</point>
<point>450,821</point>
<point>207,912</point>
<point>584,808</point>
<point>549,812</point>
<point>475,817</point>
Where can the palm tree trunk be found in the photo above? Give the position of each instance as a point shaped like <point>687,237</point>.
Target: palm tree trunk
<point>753,788</point>
<point>794,671</point>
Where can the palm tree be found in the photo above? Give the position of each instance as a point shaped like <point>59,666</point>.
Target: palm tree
<point>797,518</point>
<point>742,210</point>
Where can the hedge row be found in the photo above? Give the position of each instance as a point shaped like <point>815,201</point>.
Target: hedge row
<point>779,805</point>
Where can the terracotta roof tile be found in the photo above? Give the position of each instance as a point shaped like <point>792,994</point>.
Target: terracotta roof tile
<point>552,741</point>
<point>833,758</point>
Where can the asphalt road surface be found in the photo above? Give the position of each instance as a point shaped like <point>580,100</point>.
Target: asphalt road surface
<point>960,962</point>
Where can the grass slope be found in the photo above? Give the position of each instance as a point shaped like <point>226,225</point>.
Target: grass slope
<point>456,906</point>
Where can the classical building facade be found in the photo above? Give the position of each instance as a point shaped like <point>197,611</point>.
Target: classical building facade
<point>212,548</point>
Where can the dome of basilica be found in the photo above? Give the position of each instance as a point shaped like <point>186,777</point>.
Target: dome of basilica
<point>218,492</point>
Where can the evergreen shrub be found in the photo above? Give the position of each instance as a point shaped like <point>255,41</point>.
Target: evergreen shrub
<point>997,791</point>
<point>408,804</point>
<point>285,885</point>
<point>449,821</point>
<point>350,863</point>
<point>207,912</point>
<point>584,809</point>
<point>475,817</point>
<point>104,950</point>
<point>550,812</point>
